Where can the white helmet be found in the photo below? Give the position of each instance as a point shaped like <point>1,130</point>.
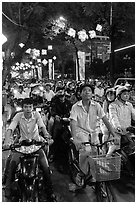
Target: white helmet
<point>35,92</point>
<point>121,89</point>
<point>110,90</point>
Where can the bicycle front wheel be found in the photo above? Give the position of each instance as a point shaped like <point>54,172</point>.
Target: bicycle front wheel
<point>104,192</point>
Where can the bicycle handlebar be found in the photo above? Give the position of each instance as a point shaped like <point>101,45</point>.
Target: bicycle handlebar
<point>98,145</point>
<point>26,143</point>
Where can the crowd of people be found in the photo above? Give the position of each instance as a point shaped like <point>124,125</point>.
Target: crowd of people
<point>92,107</point>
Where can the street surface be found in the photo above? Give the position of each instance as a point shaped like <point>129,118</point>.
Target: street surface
<point>124,188</point>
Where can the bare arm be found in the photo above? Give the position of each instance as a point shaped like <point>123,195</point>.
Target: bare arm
<point>45,132</point>
<point>108,125</point>
<point>7,137</point>
<point>41,125</point>
<point>73,128</point>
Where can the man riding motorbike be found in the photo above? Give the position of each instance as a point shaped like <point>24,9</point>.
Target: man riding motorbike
<point>60,108</point>
<point>28,122</point>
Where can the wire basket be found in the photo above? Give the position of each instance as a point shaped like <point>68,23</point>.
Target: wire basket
<point>106,168</point>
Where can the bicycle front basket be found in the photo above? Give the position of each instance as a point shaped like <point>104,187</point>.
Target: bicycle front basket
<point>107,168</point>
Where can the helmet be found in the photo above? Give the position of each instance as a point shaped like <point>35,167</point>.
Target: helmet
<point>35,92</point>
<point>110,90</point>
<point>128,85</point>
<point>48,84</point>
<point>117,86</point>
<point>110,98</point>
<point>121,89</point>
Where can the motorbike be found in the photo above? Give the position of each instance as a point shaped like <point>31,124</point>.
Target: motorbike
<point>28,185</point>
<point>127,151</point>
<point>59,150</point>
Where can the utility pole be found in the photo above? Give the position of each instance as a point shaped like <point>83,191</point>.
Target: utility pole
<point>112,60</point>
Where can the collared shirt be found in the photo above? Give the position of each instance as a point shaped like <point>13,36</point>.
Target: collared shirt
<point>87,122</point>
<point>120,114</point>
<point>28,127</point>
<point>48,95</point>
<point>99,91</point>
<point>21,95</point>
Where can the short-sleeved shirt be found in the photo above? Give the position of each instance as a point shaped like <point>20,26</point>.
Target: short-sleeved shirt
<point>120,114</point>
<point>98,91</point>
<point>28,127</point>
<point>21,95</point>
<point>87,122</point>
<point>48,95</point>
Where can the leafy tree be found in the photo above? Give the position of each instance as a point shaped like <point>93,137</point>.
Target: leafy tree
<point>33,23</point>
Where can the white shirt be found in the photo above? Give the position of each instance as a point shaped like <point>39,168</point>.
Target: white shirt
<point>28,128</point>
<point>48,95</point>
<point>99,91</point>
<point>21,95</point>
<point>87,122</point>
<point>120,114</point>
<point>27,91</point>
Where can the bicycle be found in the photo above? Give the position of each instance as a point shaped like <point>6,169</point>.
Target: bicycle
<point>127,151</point>
<point>106,169</point>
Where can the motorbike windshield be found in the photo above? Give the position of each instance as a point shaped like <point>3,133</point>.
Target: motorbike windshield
<point>28,150</point>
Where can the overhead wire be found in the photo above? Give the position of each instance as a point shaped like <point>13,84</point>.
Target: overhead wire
<point>11,20</point>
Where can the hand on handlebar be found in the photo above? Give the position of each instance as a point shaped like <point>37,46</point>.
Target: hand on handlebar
<point>6,143</point>
<point>5,146</point>
<point>57,118</point>
<point>48,136</point>
<point>119,130</point>
<point>66,119</point>
<point>116,140</point>
<point>122,131</point>
<point>78,144</point>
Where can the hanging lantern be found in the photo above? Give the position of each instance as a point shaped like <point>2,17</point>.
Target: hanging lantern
<point>82,35</point>
<point>92,34</point>
<point>71,32</point>
<point>99,27</point>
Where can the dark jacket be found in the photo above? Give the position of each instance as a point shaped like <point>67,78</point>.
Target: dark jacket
<point>59,108</point>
